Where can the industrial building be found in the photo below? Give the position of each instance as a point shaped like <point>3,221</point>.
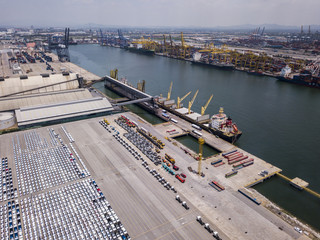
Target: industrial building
<point>27,101</point>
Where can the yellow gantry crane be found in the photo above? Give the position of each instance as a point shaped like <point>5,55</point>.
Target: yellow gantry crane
<point>203,109</point>
<point>191,102</point>
<point>201,142</point>
<point>179,100</point>
<point>185,49</point>
<point>114,73</point>
<point>169,93</point>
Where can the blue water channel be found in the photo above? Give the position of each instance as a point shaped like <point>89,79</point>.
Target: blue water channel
<point>280,121</point>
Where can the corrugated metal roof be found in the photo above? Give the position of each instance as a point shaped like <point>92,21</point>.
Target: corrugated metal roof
<point>13,85</point>
<point>16,102</point>
<point>44,113</point>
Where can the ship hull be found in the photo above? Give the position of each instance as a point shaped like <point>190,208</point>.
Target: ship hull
<point>231,139</point>
<point>219,66</point>
<point>141,51</point>
<point>299,82</point>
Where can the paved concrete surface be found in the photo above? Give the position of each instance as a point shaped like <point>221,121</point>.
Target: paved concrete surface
<point>35,69</point>
<point>148,210</point>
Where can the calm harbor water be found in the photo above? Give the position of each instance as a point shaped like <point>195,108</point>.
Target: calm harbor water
<point>280,121</point>
<point>192,143</point>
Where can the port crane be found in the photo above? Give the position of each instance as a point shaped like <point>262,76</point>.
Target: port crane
<point>164,50</point>
<point>114,73</point>
<point>179,100</point>
<point>61,46</point>
<point>201,142</point>
<point>185,49</point>
<point>169,93</point>
<point>203,109</point>
<point>191,102</point>
<point>171,46</point>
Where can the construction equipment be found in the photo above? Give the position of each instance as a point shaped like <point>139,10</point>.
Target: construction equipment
<point>114,73</point>
<point>61,45</point>
<point>164,50</point>
<point>201,142</point>
<point>191,102</point>
<point>141,86</point>
<point>179,100</point>
<point>106,121</point>
<point>203,109</point>
<point>169,93</point>
<point>185,49</point>
<point>171,45</point>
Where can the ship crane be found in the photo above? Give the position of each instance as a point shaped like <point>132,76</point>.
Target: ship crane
<point>169,93</point>
<point>203,109</point>
<point>191,102</point>
<point>164,50</point>
<point>179,100</point>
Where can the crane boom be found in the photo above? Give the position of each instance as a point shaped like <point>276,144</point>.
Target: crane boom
<point>179,100</point>
<point>182,40</point>
<point>191,102</point>
<point>164,43</point>
<point>203,109</point>
<point>169,93</point>
<point>201,142</point>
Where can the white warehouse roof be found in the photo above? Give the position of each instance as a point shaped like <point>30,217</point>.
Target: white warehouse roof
<point>20,101</point>
<point>15,84</point>
<point>46,113</point>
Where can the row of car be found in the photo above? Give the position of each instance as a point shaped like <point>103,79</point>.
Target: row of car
<point>76,211</point>
<point>40,165</point>
<point>144,146</point>
<point>10,221</point>
<point>6,188</point>
<point>166,165</point>
<point>144,163</point>
<point>208,228</point>
<point>117,136</point>
<point>160,179</point>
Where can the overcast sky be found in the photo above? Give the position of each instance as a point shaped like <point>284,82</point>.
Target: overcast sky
<point>198,13</point>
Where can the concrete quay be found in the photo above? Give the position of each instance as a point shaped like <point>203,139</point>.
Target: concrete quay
<point>213,202</point>
<point>38,68</point>
<point>147,209</point>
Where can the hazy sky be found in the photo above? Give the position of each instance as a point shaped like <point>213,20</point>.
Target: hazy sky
<point>203,13</point>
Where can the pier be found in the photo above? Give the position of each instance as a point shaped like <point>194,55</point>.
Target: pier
<point>300,184</point>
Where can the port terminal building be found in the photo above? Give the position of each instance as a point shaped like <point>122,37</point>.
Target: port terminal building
<point>27,101</point>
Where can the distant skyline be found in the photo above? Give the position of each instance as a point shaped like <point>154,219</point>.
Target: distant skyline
<point>150,13</point>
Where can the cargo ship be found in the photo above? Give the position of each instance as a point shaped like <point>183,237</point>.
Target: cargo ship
<point>149,52</point>
<point>216,64</point>
<point>224,66</point>
<point>219,125</point>
<point>306,77</point>
<point>222,126</point>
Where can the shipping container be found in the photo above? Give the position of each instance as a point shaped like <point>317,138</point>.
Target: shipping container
<point>237,160</point>
<point>196,127</point>
<point>218,185</point>
<point>242,162</point>
<point>230,174</point>
<point>235,156</point>
<point>225,154</point>
<point>196,132</point>
<point>216,162</point>
<point>173,120</point>
<point>232,154</point>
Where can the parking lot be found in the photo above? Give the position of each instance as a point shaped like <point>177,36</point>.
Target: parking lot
<point>53,173</point>
<point>143,194</point>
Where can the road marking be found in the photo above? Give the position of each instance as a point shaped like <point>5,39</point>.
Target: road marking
<point>169,221</point>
